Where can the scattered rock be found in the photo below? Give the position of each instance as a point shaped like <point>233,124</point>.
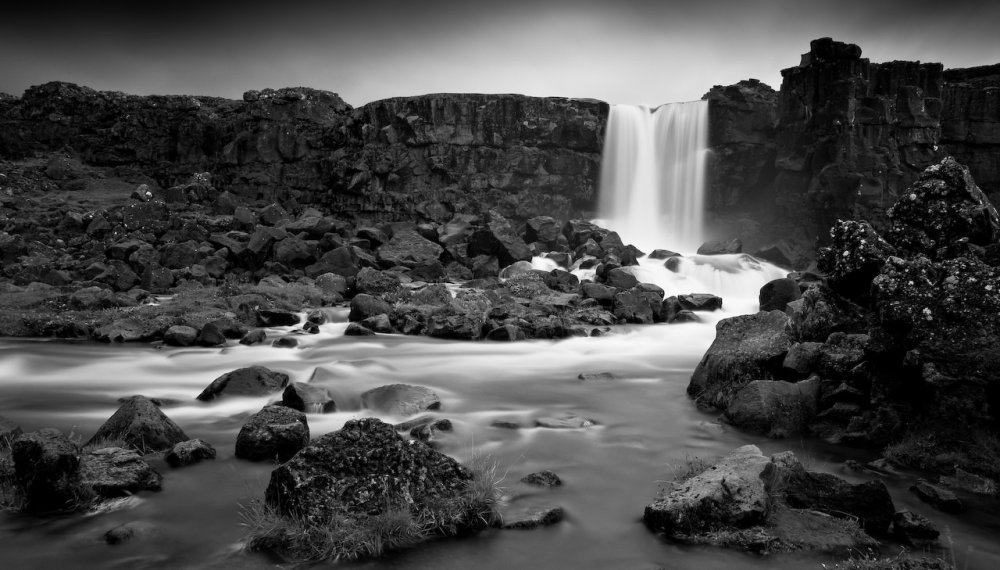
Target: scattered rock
<point>308,398</point>
<point>117,472</point>
<point>46,466</point>
<point>567,420</point>
<point>938,497</point>
<point>189,452</point>
<point>129,531</point>
<point>274,433</point>
<point>140,423</point>
<point>256,336</point>
<point>529,517</point>
<point>400,399</point>
<point>597,376</point>
<point>775,295</point>
<point>249,381</point>
<point>775,407</point>
<point>544,478</point>
<point>913,528</point>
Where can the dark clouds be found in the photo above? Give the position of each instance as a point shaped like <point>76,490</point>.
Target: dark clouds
<point>620,51</point>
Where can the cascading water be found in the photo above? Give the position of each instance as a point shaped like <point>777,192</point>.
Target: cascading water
<point>653,174</point>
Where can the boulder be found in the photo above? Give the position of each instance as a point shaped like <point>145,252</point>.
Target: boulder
<point>566,420</point>
<point>408,249</point>
<point>364,306</point>
<point>308,398</point>
<point>180,335</point>
<point>700,302</point>
<point>620,278</point>
<point>46,467</point>
<point>130,531</point>
<point>746,348</point>
<point>913,528</point>
<point>721,247</point>
<point>544,478</point>
<point>516,517</point>
<point>776,294</point>
<point>729,494</point>
<point>498,239</point>
<point>274,433</point>
<point>118,472</point>
<point>869,503</point>
<point>140,423</point>
<point>256,336</point>
<point>365,468</point>
<point>634,307</point>
<point>249,381</point>
<point>381,284</point>
<point>775,407</point>
<point>938,497</point>
<point>821,312</point>
<point>400,399</point>
<point>211,335</point>
<point>357,329</point>
<point>189,452</point>
<point>273,318</point>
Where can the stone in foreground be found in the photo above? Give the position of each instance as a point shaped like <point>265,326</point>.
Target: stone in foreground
<point>249,381</point>
<point>274,433</point>
<point>118,472</point>
<point>731,493</point>
<point>141,425</point>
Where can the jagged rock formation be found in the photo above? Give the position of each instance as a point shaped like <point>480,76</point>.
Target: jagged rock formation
<point>399,158</point>
<point>846,136</point>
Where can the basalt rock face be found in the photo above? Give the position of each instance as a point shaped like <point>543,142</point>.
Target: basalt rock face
<point>842,139</point>
<point>398,158</point>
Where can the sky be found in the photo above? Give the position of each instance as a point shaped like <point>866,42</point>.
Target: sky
<point>620,51</point>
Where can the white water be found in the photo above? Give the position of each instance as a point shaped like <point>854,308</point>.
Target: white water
<point>653,174</point>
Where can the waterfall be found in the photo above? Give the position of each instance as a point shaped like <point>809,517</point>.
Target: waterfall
<point>653,174</point>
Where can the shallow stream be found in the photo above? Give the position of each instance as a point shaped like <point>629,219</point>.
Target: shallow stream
<point>647,428</point>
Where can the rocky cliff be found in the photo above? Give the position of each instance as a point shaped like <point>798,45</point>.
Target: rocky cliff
<point>846,136</point>
<point>394,159</point>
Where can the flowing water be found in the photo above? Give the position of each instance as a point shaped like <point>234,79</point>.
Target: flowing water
<point>653,174</point>
<point>647,427</point>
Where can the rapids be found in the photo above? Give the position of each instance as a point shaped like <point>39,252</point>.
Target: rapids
<point>647,427</point>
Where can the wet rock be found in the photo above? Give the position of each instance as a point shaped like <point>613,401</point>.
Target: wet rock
<point>869,503</point>
<point>814,531</point>
<point>130,531</point>
<point>913,528</point>
<point>749,347</point>
<point>140,424</point>
<point>775,407</point>
<point>776,294</point>
<point>662,254</point>
<point>938,497</point>
<point>567,420</point>
<point>211,335</point>
<point>190,452</point>
<point>274,433</point>
<point>634,307</point>
<point>272,318</point>
<point>356,329</point>
<point>400,399</point>
<point>379,323</point>
<point>621,278</point>
<point>256,336</point>
<point>529,517</point>
<point>365,305</point>
<point>499,240</point>
<point>316,317</point>
<point>46,467</point>
<point>384,285</point>
<point>821,312</point>
<point>721,247</point>
<point>285,342</point>
<point>544,478</point>
<point>249,381</point>
<point>308,398</point>
<point>599,292</point>
<point>117,472</point>
<point>731,493</point>
<point>802,357</point>
<point>700,302</point>
<point>365,468</point>
<point>854,258</point>
<point>506,333</point>
<point>230,328</point>
<point>597,376</point>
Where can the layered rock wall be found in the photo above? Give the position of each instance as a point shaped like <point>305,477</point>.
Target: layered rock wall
<point>391,159</point>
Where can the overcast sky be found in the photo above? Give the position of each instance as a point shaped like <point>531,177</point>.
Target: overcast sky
<point>620,51</point>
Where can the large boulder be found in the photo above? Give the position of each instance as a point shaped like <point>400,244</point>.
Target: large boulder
<point>729,494</point>
<point>499,239</point>
<point>775,407</point>
<point>249,381</point>
<point>776,294</point>
<point>746,348</point>
<point>308,398</point>
<point>46,467</point>
<point>139,423</point>
<point>274,433</point>
<point>400,399</point>
<point>365,468</point>
<point>118,472</point>
<point>189,452</point>
<point>408,249</point>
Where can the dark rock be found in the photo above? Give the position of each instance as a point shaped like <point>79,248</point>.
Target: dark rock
<point>506,333</point>
<point>211,335</point>
<point>357,329</point>
<point>749,347</point>
<point>46,467</point>
<point>256,336</point>
<point>854,258</point>
<point>400,399</point>
<point>365,468</point>
<point>662,254</point>
<point>634,307</point>
<point>543,229</point>
<point>938,497</point>
<point>308,398</point>
<point>230,328</point>
<point>597,377</point>
<point>542,479</point>
<point>529,517</point>
<point>621,278</point>
<point>700,302</point>
<point>869,503</point>
<point>129,531</point>
<point>140,423</point>
<point>408,249</point>
<point>189,452</point>
<point>117,472</point>
<point>803,357</point>
<point>274,433</point>
<point>775,295</point>
<point>913,528</point>
<point>285,342</point>
<point>382,284</point>
<point>821,312</point>
<point>599,292</point>
<point>721,247</point>
<point>500,240</point>
<point>250,381</point>
<point>775,407</point>
<point>364,306</point>
<point>272,318</point>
